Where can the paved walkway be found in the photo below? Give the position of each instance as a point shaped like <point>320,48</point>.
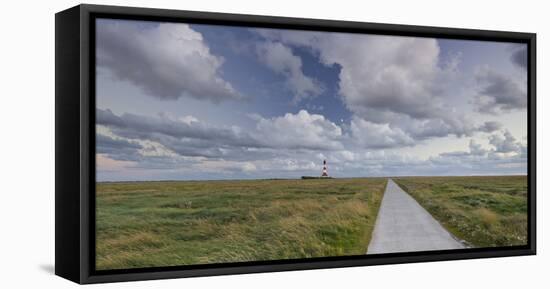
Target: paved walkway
<point>403,225</point>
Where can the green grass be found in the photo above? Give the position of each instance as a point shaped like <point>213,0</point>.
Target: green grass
<point>484,211</point>
<point>146,224</point>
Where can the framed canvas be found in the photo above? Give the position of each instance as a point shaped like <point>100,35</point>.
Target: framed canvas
<point>195,144</point>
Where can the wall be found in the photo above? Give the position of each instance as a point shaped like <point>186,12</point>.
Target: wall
<point>27,145</point>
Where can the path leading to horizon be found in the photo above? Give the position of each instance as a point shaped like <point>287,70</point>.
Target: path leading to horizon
<point>403,225</point>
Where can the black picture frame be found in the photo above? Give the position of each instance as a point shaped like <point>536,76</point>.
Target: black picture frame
<point>75,143</point>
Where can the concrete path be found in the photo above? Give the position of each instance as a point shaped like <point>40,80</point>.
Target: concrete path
<point>403,225</point>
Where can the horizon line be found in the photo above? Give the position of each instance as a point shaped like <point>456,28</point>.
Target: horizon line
<point>300,178</point>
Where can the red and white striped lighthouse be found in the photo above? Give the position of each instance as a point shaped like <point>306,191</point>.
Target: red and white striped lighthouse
<point>325,172</point>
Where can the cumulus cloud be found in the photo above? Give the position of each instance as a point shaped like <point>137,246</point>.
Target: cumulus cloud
<point>374,135</point>
<point>404,131</point>
<point>281,60</point>
<point>498,92</point>
<point>490,126</point>
<point>289,146</point>
<point>396,76</point>
<point>301,130</point>
<point>503,154</point>
<point>475,159</point>
<point>188,136</point>
<point>107,144</point>
<point>379,75</point>
<point>519,57</point>
<point>167,61</point>
<point>285,144</point>
<point>277,156</point>
<point>476,148</point>
<point>181,136</point>
<point>397,82</point>
<point>421,129</point>
<point>460,163</point>
<point>505,143</point>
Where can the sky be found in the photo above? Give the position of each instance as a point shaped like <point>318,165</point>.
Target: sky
<point>182,101</point>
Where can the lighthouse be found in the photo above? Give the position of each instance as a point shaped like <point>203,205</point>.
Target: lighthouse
<point>325,172</point>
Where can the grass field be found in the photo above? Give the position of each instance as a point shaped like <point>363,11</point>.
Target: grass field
<point>484,211</point>
<point>145,224</point>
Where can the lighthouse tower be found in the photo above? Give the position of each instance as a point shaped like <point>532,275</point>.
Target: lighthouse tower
<point>325,172</point>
